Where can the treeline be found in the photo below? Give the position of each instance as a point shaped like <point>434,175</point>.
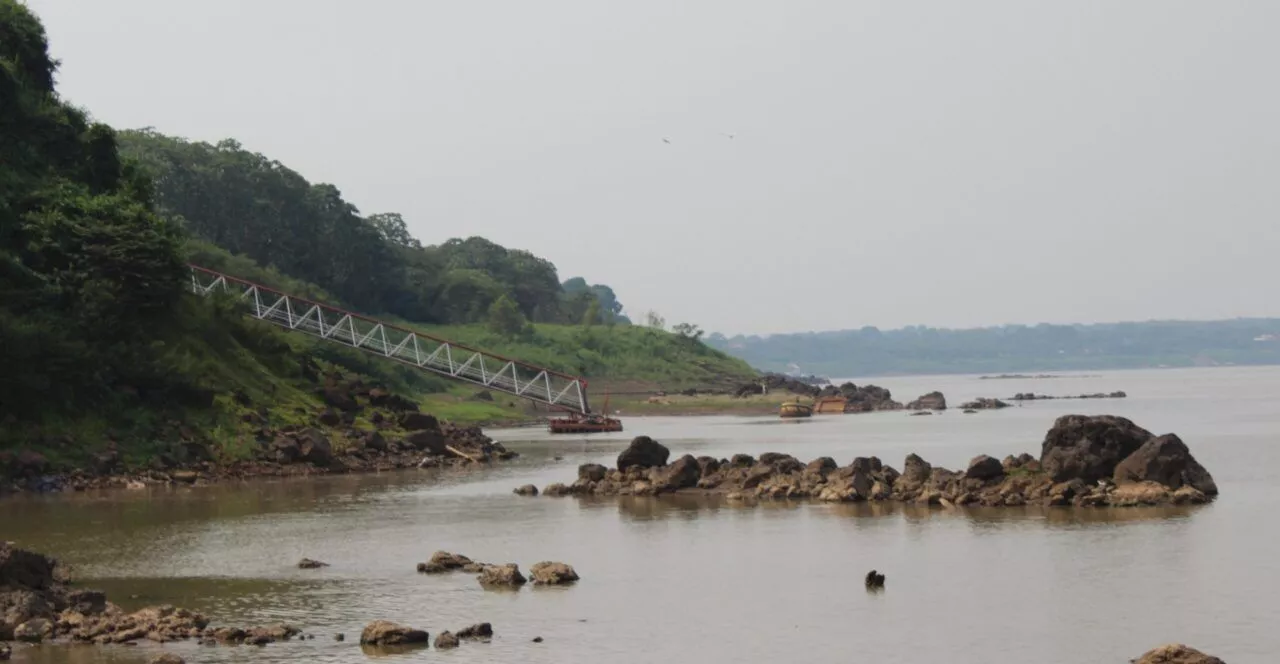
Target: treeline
<point>251,205</point>
<point>870,351</point>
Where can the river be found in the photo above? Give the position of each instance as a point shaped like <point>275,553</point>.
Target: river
<point>685,580</point>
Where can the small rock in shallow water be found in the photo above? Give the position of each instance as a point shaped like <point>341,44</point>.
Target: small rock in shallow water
<point>874,579</point>
<point>339,637</point>
<point>476,631</point>
<point>386,633</point>
<point>307,563</point>
<point>552,574</point>
<point>526,490</point>
<point>537,639</point>
<point>496,576</point>
<point>446,640</point>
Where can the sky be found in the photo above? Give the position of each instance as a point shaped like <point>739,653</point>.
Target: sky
<point>892,163</point>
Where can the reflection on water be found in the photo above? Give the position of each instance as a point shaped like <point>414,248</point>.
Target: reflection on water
<point>705,579</point>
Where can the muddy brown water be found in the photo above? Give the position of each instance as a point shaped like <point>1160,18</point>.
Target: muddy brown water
<point>685,580</point>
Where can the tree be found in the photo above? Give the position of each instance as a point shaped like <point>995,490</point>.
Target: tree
<point>505,318</point>
<point>592,315</point>
<point>392,228</point>
<point>653,320</point>
<point>689,331</point>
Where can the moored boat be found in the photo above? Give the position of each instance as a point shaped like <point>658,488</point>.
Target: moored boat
<point>795,409</point>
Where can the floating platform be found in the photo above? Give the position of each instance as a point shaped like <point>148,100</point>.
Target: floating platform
<point>589,424</point>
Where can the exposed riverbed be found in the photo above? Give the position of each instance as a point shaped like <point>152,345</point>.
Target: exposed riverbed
<point>686,579</point>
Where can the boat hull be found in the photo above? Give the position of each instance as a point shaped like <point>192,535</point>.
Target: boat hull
<point>794,410</point>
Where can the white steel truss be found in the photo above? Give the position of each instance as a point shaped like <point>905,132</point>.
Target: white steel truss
<point>426,352</point>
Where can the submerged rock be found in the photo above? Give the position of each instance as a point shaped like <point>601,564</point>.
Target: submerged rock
<point>552,574</point>
<point>1176,653</point>
<point>387,633</point>
<point>874,580</point>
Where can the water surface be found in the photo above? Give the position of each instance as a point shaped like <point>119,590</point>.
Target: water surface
<point>700,580</point>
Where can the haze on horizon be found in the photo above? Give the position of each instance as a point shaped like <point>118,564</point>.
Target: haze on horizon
<point>947,164</point>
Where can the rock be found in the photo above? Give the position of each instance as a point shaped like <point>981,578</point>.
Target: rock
<point>337,397</point>
<point>921,412</point>
<point>6,652</point>
<point>167,658</point>
<point>985,403</point>
<point>375,441</point>
<point>307,563</point>
<point>33,631</point>
<point>682,474</point>
<point>386,633</point>
<point>330,418</point>
<point>552,574</point>
<point>497,576</point>
<point>984,468</point>
<point>314,447</point>
<point>184,476</point>
<point>339,637</point>
<point>87,602</point>
<point>874,579</point>
<point>915,469</point>
<point>643,452</point>
<point>478,631</point>
<point>1089,447</point>
<point>556,489</point>
<point>822,466</point>
<point>285,450</point>
<point>1139,493</point>
<point>592,472</point>
<point>930,401</point>
<point>1176,653</point>
<point>419,422</point>
<point>443,561</point>
<point>537,639</point>
<point>446,640</point>
<point>430,441</point>
<point>525,490</point>
<point>1167,461</point>
<point>970,411</point>
<point>742,461</point>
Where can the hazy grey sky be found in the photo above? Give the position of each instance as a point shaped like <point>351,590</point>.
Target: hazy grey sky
<point>942,163</point>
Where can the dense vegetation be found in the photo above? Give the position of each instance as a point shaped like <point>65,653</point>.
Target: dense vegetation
<point>100,346</point>
<point>257,207</point>
<point>870,351</point>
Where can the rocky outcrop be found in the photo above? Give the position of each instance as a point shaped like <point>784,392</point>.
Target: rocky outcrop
<point>773,382</point>
<point>443,561</point>
<point>1077,452</point>
<point>1176,653</point>
<point>382,432</point>
<point>984,403</point>
<point>1089,447</point>
<point>476,632</point>
<point>865,399</point>
<point>548,573</point>
<point>501,576</point>
<point>930,401</point>
<point>386,633</point>
<point>643,452</point>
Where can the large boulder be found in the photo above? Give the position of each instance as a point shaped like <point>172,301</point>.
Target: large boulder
<point>1089,447</point>
<point>984,468</point>
<point>643,452</point>
<point>1165,460</point>
<point>428,440</point>
<point>682,474</point>
<point>1176,653</point>
<point>387,633</point>
<point>25,570</point>
<point>592,472</point>
<point>930,401</point>
<point>419,422</point>
<point>552,574</point>
<point>314,447</point>
<point>446,640</point>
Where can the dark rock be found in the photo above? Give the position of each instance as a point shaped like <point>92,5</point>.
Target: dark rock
<point>781,463</point>
<point>552,574</point>
<point>167,658</point>
<point>307,563</point>
<point>339,637</point>
<point>930,401</point>
<point>708,465</point>
<point>87,602</point>
<point>446,640</point>
<point>337,397</point>
<point>419,422</point>
<point>478,631</point>
<point>984,468</point>
<point>375,441</point>
<point>525,490</point>
<point>742,461</point>
<point>915,469</point>
<point>443,561</point>
<point>821,466</point>
<point>874,579</point>
<point>1176,653</point>
<point>985,403</point>
<point>682,474</point>
<point>33,631</point>
<point>537,639</point>
<point>314,447</point>
<point>431,441</point>
<point>1089,447</point>
<point>1165,460</point>
<point>386,633</point>
<point>592,472</point>
<point>643,452</point>
<point>483,395</point>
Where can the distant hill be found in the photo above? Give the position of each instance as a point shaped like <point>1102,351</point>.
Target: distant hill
<point>924,350</point>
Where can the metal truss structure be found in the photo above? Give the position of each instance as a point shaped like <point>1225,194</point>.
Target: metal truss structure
<point>423,351</point>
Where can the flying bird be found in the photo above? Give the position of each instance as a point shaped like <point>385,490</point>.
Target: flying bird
<point>666,140</point>
<point>729,135</point>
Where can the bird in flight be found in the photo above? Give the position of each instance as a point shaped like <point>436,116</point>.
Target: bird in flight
<point>729,135</point>
<point>666,140</point>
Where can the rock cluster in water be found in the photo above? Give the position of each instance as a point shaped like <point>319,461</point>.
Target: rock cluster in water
<point>36,605</point>
<point>1084,461</point>
<point>545,573</point>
